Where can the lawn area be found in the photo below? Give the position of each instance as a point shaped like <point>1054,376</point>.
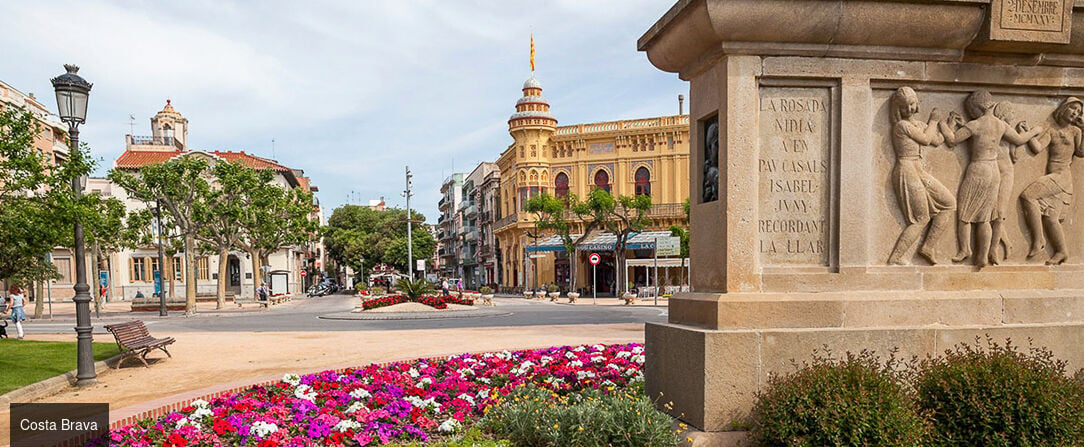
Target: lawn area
<point>24,362</point>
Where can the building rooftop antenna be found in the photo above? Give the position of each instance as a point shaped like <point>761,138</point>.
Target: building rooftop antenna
<point>131,124</point>
<point>273,149</point>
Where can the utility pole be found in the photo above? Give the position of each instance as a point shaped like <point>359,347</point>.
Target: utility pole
<point>409,238</point>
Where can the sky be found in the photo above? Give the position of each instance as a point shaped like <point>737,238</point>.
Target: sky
<point>350,91</point>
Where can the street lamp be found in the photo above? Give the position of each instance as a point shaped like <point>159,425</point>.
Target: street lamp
<point>72,92</point>
<point>162,311</point>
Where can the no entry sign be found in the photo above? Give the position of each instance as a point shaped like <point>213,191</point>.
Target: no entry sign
<point>594,259</point>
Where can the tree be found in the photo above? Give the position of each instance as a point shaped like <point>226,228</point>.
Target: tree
<point>181,187</point>
<point>274,217</point>
<point>623,216</point>
<point>561,216</point>
<point>225,211</point>
<point>355,233</point>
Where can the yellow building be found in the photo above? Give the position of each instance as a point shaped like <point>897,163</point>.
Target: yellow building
<point>640,156</point>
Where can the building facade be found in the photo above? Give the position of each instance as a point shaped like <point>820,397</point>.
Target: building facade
<point>640,156</point>
<point>451,192</point>
<point>129,272</point>
<point>471,237</point>
<point>489,212</point>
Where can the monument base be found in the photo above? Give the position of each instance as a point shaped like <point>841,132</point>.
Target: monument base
<point>706,365</point>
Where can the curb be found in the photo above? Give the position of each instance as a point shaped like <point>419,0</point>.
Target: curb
<point>415,315</point>
<point>53,385</point>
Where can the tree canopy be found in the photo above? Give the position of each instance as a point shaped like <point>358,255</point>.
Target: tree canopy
<point>356,232</point>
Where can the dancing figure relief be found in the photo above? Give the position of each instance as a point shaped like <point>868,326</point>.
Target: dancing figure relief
<point>977,195</point>
<point>1046,200</point>
<point>925,202</point>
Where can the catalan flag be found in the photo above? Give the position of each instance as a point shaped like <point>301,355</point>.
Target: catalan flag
<point>532,53</point>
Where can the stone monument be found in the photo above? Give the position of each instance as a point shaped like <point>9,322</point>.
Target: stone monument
<point>870,174</point>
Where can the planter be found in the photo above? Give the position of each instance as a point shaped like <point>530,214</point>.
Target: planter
<point>528,294</point>
<point>554,295</point>
<point>487,299</point>
<point>572,296</point>
<point>629,297</point>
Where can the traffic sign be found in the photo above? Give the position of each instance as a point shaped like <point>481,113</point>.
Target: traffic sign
<point>594,259</point>
<point>668,246</point>
<point>303,273</point>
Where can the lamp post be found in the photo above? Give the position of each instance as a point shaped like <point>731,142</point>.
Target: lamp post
<point>162,311</point>
<point>72,92</point>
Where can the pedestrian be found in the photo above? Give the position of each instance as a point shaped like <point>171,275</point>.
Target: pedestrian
<point>444,287</point>
<point>261,291</point>
<point>15,302</point>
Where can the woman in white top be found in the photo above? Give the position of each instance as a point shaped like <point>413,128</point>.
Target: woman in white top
<point>15,301</point>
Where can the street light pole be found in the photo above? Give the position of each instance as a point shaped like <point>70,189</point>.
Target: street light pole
<point>410,239</point>
<point>72,92</point>
<point>162,311</point>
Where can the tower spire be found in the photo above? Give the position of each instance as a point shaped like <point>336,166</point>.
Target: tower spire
<point>532,53</point>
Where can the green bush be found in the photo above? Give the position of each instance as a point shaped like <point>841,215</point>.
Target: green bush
<point>472,437</point>
<point>535,417</point>
<point>857,400</point>
<point>414,289</point>
<point>485,290</point>
<point>999,396</point>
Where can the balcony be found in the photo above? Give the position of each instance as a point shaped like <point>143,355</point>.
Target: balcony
<point>138,140</point>
<point>470,210</point>
<point>504,222</point>
<point>667,210</point>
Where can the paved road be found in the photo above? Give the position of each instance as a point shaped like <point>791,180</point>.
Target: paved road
<point>303,314</point>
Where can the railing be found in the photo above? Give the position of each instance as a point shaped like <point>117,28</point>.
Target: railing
<point>156,141</point>
<point>611,126</point>
<point>505,221</point>
<point>667,210</point>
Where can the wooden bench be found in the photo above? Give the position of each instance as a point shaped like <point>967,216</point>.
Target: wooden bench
<point>134,340</point>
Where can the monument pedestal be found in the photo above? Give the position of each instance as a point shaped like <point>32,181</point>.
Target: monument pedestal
<point>857,169</point>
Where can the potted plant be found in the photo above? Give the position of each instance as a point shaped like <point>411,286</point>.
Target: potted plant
<point>629,296</point>
<point>554,292</point>
<point>487,295</point>
<point>572,297</point>
<point>528,293</point>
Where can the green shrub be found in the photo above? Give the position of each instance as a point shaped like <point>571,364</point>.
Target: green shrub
<point>485,290</point>
<point>535,417</point>
<point>414,289</point>
<point>857,400</point>
<point>472,437</point>
<point>999,396</point>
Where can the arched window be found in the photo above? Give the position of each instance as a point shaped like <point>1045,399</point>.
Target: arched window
<point>602,180</point>
<point>643,182</point>
<point>560,183</point>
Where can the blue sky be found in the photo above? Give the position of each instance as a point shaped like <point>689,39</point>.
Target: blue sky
<point>351,91</point>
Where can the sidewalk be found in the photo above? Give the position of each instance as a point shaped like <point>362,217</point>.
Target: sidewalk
<point>586,300</point>
<point>64,311</point>
<point>204,362</point>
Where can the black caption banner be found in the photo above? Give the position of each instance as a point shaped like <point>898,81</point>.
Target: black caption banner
<point>41,425</point>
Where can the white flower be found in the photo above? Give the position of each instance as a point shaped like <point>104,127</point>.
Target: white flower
<point>360,393</point>
<point>570,355</point>
<point>418,402</point>
<point>607,383</point>
<point>186,421</point>
<point>484,380</point>
<point>637,349</point>
<point>638,358</point>
<point>545,360</point>
<point>448,426</point>
<point>414,373</point>
<point>580,375</point>
<point>575,363</point>
<point>292,379</point>
<point>347,424</point>
<point>305,392</point>
<point>201,413</point>
<point>613,367</point>
<point>599,347</point>
<point>467,397</point>
<point>464,372</point>
<point>262,429</point>
<point>356,406</point>
<point>623,354</point>
<point>598,359</point>
<point>579,349</point>
<point>367,380</point>
<point>484,393</point>
<point>200,403</point>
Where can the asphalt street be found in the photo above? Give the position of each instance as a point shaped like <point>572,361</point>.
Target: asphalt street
<point>304,314</point>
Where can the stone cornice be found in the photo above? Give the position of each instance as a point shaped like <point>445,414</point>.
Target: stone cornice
<point>695,32</point>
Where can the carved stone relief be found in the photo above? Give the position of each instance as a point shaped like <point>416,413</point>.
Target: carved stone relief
<point>710,191</point>
<point>984,199</point>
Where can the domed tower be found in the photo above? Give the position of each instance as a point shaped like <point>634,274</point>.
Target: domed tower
<point>532,126</point>
<point>170,128</point>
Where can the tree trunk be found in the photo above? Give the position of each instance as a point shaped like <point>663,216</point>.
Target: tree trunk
<point>189,282</point>
<point>223,258</point>
<point>255,272</point>
<point>39,304</point>
<point>572,261</point>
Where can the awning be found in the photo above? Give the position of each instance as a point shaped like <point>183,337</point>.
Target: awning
<point>608,241</point>
<point>552,243</point>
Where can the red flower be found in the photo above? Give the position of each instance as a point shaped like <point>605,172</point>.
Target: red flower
<point>267,443</point>
<point>175,440</point>
<point>222,427</point>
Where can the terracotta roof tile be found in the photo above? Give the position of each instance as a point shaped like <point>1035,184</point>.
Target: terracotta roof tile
<point>138,159</point>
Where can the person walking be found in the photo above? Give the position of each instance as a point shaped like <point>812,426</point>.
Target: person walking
<point>15,302</point>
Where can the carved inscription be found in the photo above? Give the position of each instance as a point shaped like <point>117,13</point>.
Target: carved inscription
<point>1034,15</point>
<point>794,173</point>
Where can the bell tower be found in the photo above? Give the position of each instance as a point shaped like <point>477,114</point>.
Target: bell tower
<point>170,128</point>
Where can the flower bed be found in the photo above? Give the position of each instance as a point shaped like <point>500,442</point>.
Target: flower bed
<point>377,404</point>
<point>436,302</point>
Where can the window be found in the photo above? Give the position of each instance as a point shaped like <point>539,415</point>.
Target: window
<point>154,270</point>
<point>522,198</point>
<point>64,268</point>
<point>203,269</point>
<point>138,269</point>
<point>178,269</point>
<point>643,182</point>
<point>560,183</point>
<point>602,180</point>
